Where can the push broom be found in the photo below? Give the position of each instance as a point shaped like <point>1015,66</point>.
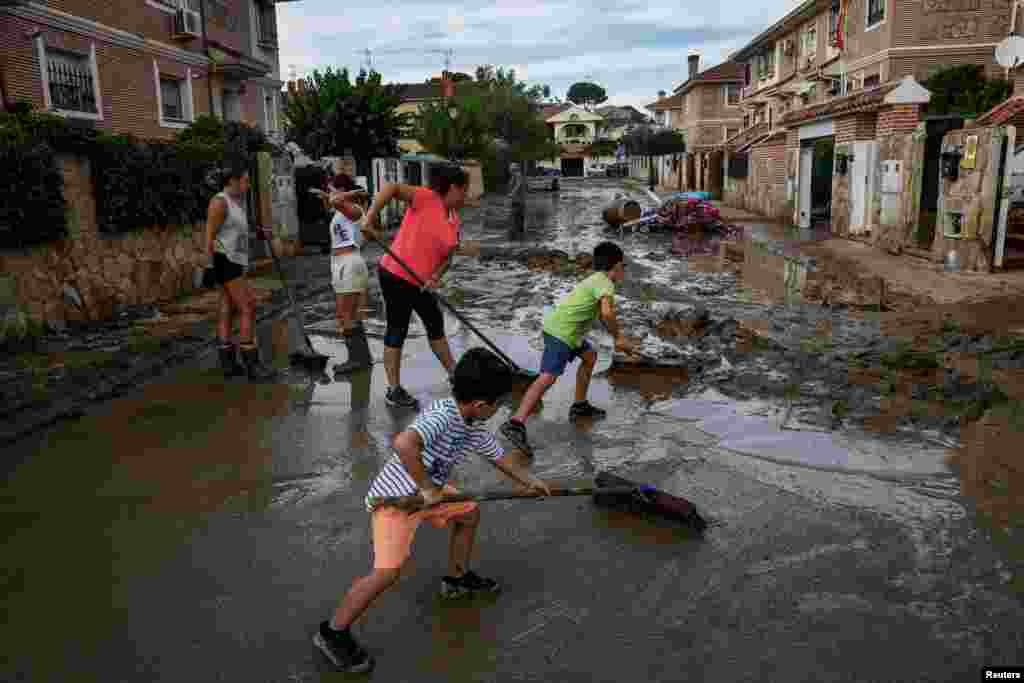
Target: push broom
<point>608,490</point>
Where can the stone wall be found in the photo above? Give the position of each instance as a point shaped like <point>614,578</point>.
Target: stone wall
<point>151,265</point>
<point>893,225</point>
<point>763,191</point>
<point>973,196</point>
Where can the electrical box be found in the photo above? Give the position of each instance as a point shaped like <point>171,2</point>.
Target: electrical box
<point>892,176</point>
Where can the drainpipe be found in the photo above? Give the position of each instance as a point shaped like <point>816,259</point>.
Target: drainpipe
<point>1013,31</point>
<point>206,51</point>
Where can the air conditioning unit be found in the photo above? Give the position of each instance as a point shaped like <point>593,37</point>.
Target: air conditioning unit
<point>808,62</point>
<point>186,24</point>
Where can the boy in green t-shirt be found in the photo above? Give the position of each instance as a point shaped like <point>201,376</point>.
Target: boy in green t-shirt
<point>565,329</point>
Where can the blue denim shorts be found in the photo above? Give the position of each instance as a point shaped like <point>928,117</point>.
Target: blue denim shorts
<point>558,354</point>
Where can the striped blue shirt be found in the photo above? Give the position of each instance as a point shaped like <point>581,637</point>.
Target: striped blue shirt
<point>447,440</point>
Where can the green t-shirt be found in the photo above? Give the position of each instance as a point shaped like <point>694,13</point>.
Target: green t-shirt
<point>573,316</point>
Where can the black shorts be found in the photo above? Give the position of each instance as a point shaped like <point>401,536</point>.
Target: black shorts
<point>401,298</point>
<point>226,270</point>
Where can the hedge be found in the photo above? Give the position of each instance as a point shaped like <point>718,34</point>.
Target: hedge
<point>139,183</point>
<point>32,206</point>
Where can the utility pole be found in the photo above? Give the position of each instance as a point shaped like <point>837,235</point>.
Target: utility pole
<point>368,62</point>
<point>448,54</point>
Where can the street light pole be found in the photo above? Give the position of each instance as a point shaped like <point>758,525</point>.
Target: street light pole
<point>650,159</point>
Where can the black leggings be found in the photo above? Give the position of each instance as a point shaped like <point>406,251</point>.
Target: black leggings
<point>401,298</point>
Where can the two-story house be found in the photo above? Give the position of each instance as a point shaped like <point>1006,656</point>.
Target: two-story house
<point>705,110</point>
<point>820,87</point>
<point>145,67</point>
<point>575,129</point>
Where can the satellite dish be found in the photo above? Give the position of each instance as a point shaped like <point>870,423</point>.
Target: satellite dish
<point>1010,52</point>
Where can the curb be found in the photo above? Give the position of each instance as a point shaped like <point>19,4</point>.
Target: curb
<point>75,407</point>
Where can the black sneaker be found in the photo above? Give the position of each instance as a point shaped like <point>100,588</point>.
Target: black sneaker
<point>400,398</point>
<point>586,409</point>
<point>515,432</point>
<point>470,583</point>
<point>342,649</point>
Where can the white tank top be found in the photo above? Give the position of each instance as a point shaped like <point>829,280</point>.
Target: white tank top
<point>233,233</point>
<point>344,233</point>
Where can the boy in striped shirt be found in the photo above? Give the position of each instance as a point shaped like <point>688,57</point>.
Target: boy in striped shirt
<point>425,455</point>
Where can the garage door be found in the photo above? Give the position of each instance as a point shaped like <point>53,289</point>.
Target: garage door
<point>572,167</point>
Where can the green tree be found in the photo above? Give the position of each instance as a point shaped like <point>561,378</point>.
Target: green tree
<point>455,128</point>
<point>586,94</point>
<point>494,120</point>
<point>328,114</point>
<point>965,90</point>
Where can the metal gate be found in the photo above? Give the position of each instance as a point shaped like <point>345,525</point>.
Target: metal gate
<point>388,171</point>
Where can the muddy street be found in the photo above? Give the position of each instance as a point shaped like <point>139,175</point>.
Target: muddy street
<point>855,447</point>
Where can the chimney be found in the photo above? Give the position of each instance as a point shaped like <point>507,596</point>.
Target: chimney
<point>447,85</point>
<point>693,61</point>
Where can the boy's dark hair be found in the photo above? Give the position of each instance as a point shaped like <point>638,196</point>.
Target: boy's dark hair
<point>442,177</point>
<point>480,376</point>
<point>232,170</point>
<point>607,255</point>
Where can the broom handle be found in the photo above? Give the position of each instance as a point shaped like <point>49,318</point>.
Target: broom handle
<point>451,308</point>
<point>415,502</point>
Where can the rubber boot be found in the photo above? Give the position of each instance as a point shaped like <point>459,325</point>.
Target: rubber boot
<point>258,372</point>
<point>359,356</point>
<point>229,361</point>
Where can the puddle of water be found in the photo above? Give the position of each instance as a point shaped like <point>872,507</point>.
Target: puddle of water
<point>755,430</point>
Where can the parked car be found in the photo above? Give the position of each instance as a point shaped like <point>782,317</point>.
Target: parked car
<point>598,167</point>
<point>619,169</point>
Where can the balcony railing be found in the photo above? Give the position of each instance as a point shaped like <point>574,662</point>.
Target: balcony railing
<point>71,87</point>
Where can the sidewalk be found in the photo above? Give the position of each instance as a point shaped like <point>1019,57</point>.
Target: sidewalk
<point>100,360</point>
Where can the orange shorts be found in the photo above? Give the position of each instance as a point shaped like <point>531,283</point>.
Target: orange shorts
<point>394,529</point>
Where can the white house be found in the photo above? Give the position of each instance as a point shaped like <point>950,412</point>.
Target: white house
<point>576,129</point>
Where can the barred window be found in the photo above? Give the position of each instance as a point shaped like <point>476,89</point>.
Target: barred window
<point>70,79</point>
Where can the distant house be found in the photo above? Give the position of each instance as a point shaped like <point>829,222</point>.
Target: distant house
<point>705,109</point>
<point>415,95</point>
<point>575,129</point>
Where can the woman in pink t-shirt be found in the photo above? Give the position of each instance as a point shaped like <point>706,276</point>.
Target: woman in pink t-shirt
<point>426,241</point>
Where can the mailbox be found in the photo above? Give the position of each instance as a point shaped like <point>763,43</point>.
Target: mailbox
<point>951,163</point>
<point>843,160</point>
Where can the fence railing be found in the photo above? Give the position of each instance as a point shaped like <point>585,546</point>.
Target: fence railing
<point>71,87</point>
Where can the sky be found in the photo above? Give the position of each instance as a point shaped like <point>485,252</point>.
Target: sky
<point>631,48</point>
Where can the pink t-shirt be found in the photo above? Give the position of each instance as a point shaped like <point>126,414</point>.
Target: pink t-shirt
<point>428,234</point>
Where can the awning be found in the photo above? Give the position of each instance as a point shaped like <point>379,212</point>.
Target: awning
<point>744,148</point>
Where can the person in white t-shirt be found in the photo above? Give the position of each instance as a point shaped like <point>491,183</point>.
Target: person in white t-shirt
<point>349,274</point>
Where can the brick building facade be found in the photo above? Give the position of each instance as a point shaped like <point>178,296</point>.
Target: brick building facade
<point>145,67</point>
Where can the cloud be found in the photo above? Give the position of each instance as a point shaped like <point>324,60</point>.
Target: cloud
<point>632,48</point>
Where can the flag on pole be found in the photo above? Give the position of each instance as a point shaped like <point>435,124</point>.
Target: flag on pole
<point>844,11</point>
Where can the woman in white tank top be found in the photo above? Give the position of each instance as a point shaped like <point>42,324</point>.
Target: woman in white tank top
<point>227,244</point>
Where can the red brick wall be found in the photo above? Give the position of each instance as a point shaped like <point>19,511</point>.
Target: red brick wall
<point>898,119</point>
<point>126,81</point>
<point>856,127</point>
<point>770,162</point>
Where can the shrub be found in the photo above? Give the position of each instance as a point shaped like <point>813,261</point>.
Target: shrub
<point>32,206</point>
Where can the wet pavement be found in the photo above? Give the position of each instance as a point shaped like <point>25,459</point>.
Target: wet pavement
<point>200,529</point>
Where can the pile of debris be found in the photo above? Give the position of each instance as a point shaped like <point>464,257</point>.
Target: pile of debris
<point>696,225</point>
